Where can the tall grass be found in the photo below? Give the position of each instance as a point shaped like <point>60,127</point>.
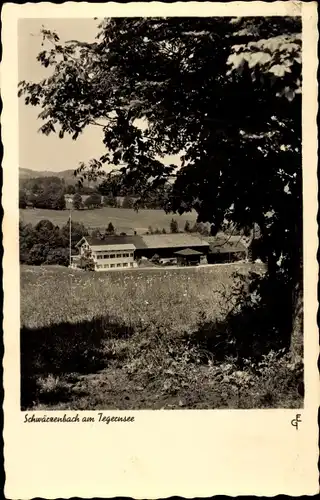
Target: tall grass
<point>173,298</point>
<point>131,340</point>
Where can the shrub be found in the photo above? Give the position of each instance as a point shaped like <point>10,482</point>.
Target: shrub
<point>93,201</point>
<point>174,228</point>
<point>128,202</point>
<point>22,199</point>
<point>58,256</point>
<point>86,263</point>
<point>110,229</point>
<point>38,254</point>
<point>253,326</point>
<point>77,201</point>
<point>51,389</point>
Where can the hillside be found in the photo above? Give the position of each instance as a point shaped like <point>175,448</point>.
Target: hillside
<point>67,175</point>
<point>124,219</point>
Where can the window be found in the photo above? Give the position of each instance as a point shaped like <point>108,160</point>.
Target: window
<point>131,254</point>
<point>119,265</point>
<point>112,256</point>
<point>106,265</point>
<point>106,256</point>
<point>131,264</point>
<point>125,264</point>
<point>112,265</point>
<point>119,255</point>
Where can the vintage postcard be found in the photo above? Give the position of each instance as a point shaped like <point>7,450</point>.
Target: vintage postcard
<point>160,241</point>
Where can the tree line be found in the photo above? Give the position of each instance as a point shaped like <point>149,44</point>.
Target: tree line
<point>50,193</point>
<point>42,192</point>
<point>96,200</point>
<point>46,243</point>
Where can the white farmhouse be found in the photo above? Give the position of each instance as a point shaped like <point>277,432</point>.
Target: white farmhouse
<point>117,253</point>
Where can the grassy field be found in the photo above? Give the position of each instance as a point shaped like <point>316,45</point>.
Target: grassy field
<point>123,219</point>
<point>129,340</point>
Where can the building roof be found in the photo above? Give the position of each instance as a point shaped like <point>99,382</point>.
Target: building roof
<point>120,246</point>
<point>176,240</point>
<point>114,240</point>
<point>228,238</point>
<point>147,241</point>
<point>188,251</point>
<point>226,245</point>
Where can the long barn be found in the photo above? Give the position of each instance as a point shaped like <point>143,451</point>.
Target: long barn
<point>117,251</point>
<point>226,248</point>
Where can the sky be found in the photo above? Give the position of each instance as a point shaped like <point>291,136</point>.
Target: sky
<point>36,150</point>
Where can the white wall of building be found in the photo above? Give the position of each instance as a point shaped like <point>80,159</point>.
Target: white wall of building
<point>113,259</point>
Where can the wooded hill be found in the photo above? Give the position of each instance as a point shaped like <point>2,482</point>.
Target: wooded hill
<point>66,175</point>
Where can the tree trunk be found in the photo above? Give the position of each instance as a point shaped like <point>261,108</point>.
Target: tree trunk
<point>296,344</point>
<point>280,297</point>
<point>287,300</point>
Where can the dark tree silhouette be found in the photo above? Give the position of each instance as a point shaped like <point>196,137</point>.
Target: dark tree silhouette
<point>77,201</point>
<point>22,199</point>
<point>174,226</point>
<point>110,229</point>
<point>93,201</point>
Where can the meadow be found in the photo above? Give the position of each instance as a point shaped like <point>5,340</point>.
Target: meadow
<point>123,219</point>
<point>139,339</point>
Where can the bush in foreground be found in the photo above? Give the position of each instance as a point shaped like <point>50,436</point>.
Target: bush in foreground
<point>155,369</point>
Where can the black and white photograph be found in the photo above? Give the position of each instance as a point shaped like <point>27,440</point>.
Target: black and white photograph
<point>160,213</point>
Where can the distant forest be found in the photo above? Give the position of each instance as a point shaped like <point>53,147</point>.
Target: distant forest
<point>50,193</point>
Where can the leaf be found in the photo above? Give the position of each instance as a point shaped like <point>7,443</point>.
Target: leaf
<point>278,70</point>
<point>289,94</point>
<point>237,48</point>
<point>235,60</point>
<point>258,58</point>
